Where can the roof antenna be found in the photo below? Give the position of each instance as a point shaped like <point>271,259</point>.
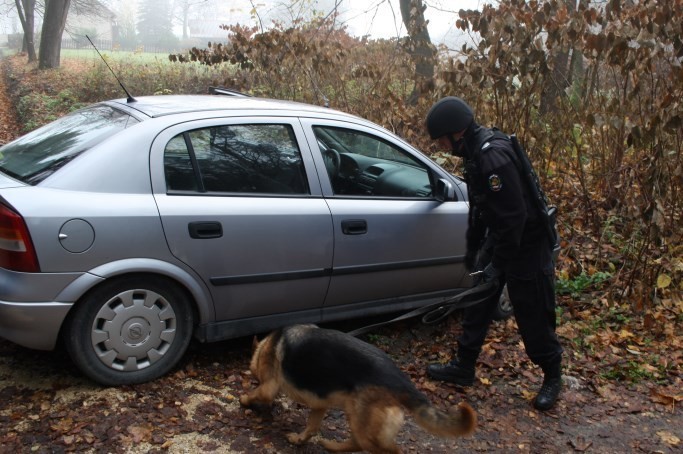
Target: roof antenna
<point>130,98</point>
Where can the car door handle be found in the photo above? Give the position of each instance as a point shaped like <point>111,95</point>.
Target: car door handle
<point>354,227</point>
<point>205,230</point>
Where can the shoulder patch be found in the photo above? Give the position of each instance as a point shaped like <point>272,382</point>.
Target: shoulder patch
<point>495,183</point>
<point>485,145</point>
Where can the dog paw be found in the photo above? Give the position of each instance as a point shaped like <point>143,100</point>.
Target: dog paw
<point>296,439</point>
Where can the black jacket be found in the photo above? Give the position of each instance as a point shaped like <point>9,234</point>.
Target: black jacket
<point>500,207</point>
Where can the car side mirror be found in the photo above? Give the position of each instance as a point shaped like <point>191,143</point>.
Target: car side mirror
<point>445,192</point>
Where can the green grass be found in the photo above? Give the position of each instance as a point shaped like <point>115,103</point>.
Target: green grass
<point>116,55</point>
<point>579,284</point>
<point>629,371</point>
<point>144,59</point>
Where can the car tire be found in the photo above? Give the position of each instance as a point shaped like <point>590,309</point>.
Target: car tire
<point>129,330</point>
<point>504,307</point>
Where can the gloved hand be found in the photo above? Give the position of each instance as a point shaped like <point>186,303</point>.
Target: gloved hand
<point>491,274</point>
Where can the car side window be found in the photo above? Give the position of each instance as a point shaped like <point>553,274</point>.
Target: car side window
<point>34,157</point>
<point>180,174</point>
<point>244,159</point>
<point>360,164</point>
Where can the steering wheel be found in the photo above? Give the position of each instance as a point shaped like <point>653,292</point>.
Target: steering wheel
<point>332,161</point>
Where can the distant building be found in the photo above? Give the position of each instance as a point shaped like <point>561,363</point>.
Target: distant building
<point>98,22</point>
<point>208,29</point>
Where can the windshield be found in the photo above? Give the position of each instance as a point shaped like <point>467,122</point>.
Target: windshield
<point>39,154</point>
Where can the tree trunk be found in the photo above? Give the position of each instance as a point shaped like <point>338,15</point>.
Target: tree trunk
<point>54,22</point>
<point>186,12</point>
<point>555,87</point>
<point>577,66</point>
<point>420,47</point>
<point>26,10</point>
<point>567,70</point>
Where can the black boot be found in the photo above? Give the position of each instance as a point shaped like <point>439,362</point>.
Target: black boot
<point>550,390</point>
<point>460,373</point>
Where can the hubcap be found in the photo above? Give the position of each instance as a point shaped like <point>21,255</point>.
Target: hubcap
<point>133,330</point>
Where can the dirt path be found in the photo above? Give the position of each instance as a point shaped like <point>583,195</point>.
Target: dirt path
<point>46,406</point>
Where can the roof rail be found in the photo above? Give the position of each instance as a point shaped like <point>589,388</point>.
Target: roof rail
<point>227,92</point>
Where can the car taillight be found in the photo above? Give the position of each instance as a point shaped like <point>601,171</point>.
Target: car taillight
<point>16,248</point>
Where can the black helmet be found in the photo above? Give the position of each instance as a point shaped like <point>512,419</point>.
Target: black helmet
<point>447,116</point>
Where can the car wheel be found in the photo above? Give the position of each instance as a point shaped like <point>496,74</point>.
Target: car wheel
<point>130,330</point>
<point>504,307</point>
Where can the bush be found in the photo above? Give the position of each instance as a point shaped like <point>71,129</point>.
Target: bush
<point>603,127</point>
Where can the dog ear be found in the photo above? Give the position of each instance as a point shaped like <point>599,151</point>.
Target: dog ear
<point>254,343</point>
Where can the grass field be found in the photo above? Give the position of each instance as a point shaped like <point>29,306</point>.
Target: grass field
<point>86,54</point>
<point>119,56</point>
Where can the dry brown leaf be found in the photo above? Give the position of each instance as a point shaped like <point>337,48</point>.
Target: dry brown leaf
<point>665,397</point>
<point>669,438</point>
<point>140,433</point>
<point>63,425</point>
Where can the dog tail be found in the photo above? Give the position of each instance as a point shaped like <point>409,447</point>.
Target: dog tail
<point>459,421</point>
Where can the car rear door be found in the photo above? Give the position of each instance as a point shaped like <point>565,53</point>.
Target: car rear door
<point>394,242</point>
<point>241,206</point>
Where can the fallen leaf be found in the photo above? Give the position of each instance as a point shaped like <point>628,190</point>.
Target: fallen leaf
<point>580,444</point>
<point>429,386</point>
<point>663,397</point>
<point>669,438</point>
<point>624,334</point>
<point>63,425</point>
<point>663,281</point>
<point>140,433</point>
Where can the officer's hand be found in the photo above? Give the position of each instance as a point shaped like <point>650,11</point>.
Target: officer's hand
<point>490,274</point>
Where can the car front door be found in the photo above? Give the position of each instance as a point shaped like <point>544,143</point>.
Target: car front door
<point>239,206</point>
<point>394,242</point>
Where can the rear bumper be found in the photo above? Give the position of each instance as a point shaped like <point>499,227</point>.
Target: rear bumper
<point>33,306</point>
<point>32,325</point>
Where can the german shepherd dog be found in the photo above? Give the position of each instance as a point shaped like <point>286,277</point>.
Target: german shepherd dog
<point>324,369</point>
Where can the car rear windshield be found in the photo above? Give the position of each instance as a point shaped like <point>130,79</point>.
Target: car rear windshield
<point>37,155</point>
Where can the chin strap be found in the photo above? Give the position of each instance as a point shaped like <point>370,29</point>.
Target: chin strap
<point>455,144</point>
<point>459,147</point>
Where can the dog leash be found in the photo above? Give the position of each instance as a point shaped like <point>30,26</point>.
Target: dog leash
<point>434,313</point>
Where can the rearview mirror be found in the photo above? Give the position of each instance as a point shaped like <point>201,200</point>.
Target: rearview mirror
<point>445,191</point>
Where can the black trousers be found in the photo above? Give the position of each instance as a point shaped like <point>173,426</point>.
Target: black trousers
<point>533,299</point>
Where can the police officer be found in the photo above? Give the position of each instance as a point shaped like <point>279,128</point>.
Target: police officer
<point>506,242</point>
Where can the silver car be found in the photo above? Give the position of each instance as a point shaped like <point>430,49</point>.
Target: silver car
<point>127,228</point>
